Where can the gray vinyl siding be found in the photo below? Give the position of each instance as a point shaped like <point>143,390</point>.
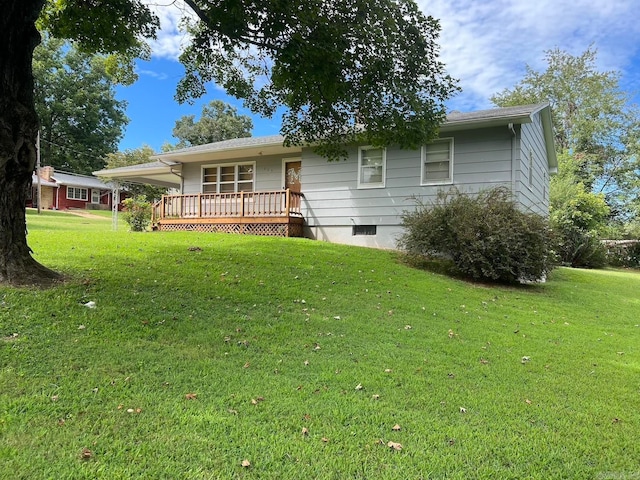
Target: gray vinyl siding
<point>532,186</point>
<point>333,202</point>
<point>268,174</point>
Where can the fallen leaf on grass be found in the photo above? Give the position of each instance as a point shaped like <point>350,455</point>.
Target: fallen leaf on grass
<point>81,327</point>
<point>359,387</point>
<point>54,398</point>
<point>305,431</point>
<point>527,401</point>
<point>387,370</point>
<point>325,440</point>
<point>451,333</point>
<point>246,365</point>
<point>396,428</point>
<point>375,397</point>
<point>407,327</point>
<point>463,410</point>
<point>245,463</point>
<point>394,446</point>
<point>484,361</point>
<point>86,454</point>
<point>615,420</point>
<point>191,396</point>
<point>306,363</point>
<point>525,359</point>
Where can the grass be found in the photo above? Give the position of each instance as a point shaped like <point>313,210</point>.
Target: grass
<point>205,350</point>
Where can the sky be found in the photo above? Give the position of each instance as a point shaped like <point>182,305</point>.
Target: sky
<point>486,44</point>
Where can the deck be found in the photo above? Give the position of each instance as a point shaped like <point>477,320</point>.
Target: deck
<point>273,213</point>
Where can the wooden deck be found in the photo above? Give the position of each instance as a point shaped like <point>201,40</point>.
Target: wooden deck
<point>273,213</point>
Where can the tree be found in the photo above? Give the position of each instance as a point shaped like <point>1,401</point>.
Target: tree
<point>219,121</point>
<point>593,121</point>
<point>345,70</point>
<point>136,156</point>
<point>80,119</point>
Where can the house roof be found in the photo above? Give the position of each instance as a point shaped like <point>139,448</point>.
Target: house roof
<point>167,166</point>
<point>160,173</point>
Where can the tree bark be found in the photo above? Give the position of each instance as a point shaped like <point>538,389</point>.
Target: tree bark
<point>18,132</point>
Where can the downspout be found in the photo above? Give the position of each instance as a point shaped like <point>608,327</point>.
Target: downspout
<point>513,158</point>
<point>174,173</point>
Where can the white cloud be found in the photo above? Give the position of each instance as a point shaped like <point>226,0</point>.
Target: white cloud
<point>171,36</point>
<point>152,73</point>
<point>487,43</point>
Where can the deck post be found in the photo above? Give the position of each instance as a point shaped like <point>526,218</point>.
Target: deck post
<point>199,209</point>
<point>287,203</point>
<point>162,209</point>
<point>242,203</point>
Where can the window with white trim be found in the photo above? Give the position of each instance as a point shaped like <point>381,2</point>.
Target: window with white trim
<point>77,193</point>
<point>530,168</point>
<point>371,167</point>
<point>238,177</point>
<point>95,195</point>
<point>437,162</point>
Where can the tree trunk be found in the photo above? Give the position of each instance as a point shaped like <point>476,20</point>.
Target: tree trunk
<point>18,132</point>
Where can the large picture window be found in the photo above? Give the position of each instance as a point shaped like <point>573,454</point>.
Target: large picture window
<point>437,162</point>
<point>228,178</point>
<point>77,193</point>
<point>371,167</point>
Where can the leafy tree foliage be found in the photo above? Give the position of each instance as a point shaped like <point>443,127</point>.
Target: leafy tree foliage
<point>219,121</point>
<point>80,119</point>
<point>136,157</point>
<point>593,120</point>
<point>577,217</point>
<point>344,69</point>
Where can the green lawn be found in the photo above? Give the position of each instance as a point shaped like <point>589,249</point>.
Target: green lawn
<point>301,357</point>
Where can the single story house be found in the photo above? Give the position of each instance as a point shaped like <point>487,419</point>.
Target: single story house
<point>257,185</point>
<point>61,191</point>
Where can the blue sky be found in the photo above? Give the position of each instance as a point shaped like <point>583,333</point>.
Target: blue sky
<point>485,44</point>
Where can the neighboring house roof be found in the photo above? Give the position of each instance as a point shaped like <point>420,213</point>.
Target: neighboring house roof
<point>43,182</point>
<point>167,167</point>
<point>75,180</point>
<point>72,180</point>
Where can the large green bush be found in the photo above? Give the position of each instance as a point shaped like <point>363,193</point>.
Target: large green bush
<point>137,213</point>
<point>486,236</point>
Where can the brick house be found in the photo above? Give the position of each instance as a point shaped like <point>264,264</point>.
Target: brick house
<point>62,191</point>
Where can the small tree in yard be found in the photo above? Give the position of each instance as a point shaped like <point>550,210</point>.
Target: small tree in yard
<point>485,236</point>
<point>137,213</point>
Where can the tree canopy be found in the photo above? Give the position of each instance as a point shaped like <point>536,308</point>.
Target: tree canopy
<point>594,121</point>
<point>218,121</point>
<point>81,120</point>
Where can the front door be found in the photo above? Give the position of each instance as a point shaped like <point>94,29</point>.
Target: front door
<point>292,175</point>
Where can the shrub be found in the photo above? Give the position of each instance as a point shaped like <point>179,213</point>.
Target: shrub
<point>137,213</point>
<point>624,253</point>
<point>485,236</point>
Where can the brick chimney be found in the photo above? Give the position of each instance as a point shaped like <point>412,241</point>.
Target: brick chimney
<point>46,173</point>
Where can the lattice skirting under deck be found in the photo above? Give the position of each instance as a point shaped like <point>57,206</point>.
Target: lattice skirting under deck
<point>264,229</point>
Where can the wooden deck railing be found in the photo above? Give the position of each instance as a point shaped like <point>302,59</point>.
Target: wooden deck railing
<point>277,203</point>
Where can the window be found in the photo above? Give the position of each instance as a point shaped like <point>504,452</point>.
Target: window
<point>228,178</point>
<point>371,167</point>
<point>363,230</point>
<point>437,162</point>
<point>530,168</point>
<point>95,196</point>
<point>77,193</point>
